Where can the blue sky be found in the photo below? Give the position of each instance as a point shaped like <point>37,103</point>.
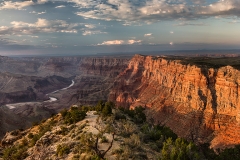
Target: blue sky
<point>102,26</point>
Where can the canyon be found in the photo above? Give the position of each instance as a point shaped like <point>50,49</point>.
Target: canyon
<point>29,79</point>
<point>199,101</point>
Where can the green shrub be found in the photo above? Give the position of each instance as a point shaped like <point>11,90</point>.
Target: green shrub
<point>62,150</point>
<point>230,153</point>
<point>119,116</point>
<point>104,139</point>
<point>100,106</point>
<point>30,135</point>
<point>63,131</point>
<point>107,109</point>
<point>16,152</point>
<point>117,151</point>
<point>74,115</point>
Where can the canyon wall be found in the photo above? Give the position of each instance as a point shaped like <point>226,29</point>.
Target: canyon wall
<point>103,66</point>
<point>97,77</point>
<point>16,88</point>
<point>200,104</point>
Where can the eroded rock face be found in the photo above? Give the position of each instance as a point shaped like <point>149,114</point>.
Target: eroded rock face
<point>197,103</point>
<point>103,66</point>
<point>20,88</point>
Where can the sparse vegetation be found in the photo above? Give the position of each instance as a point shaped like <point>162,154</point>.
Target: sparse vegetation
<point>134,136</point>
<point>74,115</point>
<point>62,150</point>
<point>208,62</point>
<point>15,152</point>
<point>104,139</point>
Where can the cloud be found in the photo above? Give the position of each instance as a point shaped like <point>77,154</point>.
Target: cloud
<point>61,6</point>
<point>120,42</point>
<point>134,41</point>
<point>114,42</point>
<point>38,13</point>
<point>40,26</point>
<point>147,34</point>
<point>19,5</point>
<point>91,26</point>
<point>15,5</point>
<point>89,32</point>
<point>200,2</point>
<point>191,24</point>
<point>151,11</point>
<point>132,12</point>
<point>8,44</point>
<point>171,32</point>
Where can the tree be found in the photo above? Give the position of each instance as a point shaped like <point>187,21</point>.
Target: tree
<point>100,106</point>
<point>107,109</point>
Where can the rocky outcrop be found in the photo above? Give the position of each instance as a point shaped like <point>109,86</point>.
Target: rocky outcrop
<point>19,96</point>
<point>201,104</point>
<point>104,66</point>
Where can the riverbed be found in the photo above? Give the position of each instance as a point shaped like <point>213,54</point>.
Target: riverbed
<point>51,99</point>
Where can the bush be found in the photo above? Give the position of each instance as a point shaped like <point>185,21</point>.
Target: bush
<point>104,140</point>
<point>15,152</point>
<point>107,110</point>
<point>62,150</point>
<point>15,132</point>
<point>100,106</point>
<point>63,131</point>
<point>178,150</point>
<point>30,135</point>
<point>137,114</point>
<point>74,115</point>
<point>119,116</point>
<point>230,153</point>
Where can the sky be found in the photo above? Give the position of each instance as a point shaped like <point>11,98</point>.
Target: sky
<point>82,27</point>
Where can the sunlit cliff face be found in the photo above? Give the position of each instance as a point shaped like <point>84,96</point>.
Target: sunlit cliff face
<point>195,102</point>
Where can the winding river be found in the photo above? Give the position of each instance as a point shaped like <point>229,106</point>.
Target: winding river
<point>51,99</point>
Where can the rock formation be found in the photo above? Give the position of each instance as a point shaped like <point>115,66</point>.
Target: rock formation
<point>201,104</point>
<point>104,66</point>
<point>30,79</point>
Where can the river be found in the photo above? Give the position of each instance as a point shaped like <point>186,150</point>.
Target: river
<point>51,99</point>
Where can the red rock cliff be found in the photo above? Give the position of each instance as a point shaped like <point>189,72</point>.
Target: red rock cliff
<point>197,103</point>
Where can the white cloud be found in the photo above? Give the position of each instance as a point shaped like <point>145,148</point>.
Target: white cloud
<point>114,42</point>
<point>171,32</point>
<point>38,13</point>
<point>154,10</point>
<point>134,41</point>
<point>68,31</point>
<point>34,36</point>
<point>40,26</point>
<point>61,6</point>
<point>148,11</point>
<point>19,5</point>
<point>91,26</point>
<point>147,34</point>
<point>89,32</point>
<point>120,42</point>
<point>15,5</point>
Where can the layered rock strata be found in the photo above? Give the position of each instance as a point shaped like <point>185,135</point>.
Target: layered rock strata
<point>103,66</point>
<point>201,104</point>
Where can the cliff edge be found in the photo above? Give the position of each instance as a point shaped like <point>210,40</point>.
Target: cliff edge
<point>197,103</point>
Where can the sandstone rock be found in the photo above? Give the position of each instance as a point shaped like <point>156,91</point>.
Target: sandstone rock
<point>194,102</point>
